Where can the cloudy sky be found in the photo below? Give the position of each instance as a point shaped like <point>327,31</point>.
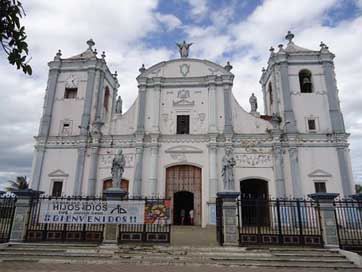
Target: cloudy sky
<point>135,32</point>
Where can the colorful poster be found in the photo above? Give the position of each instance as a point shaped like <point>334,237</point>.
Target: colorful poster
<point>158,212</point>
<point>63,211</point>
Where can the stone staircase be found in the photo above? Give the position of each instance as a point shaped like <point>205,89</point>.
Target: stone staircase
<point>291,258</point>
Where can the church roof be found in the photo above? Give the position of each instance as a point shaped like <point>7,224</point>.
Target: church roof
<point>87,54</point>
<point>292,47</point>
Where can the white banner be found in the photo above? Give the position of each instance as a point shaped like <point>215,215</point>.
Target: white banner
<point>91,211</point>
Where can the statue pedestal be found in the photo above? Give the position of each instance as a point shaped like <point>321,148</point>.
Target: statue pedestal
<point>110,234</point>
<point>229,220</point>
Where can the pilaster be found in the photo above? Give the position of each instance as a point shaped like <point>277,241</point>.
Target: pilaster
<point>84,126</point>
<point>153,178</point>
<point>228,126</point>
<point>295,172</point>
<point>38,166</point>
<point>332,95</point>
<point>345,171</point>
<point>212,167</point>
<point>100,96</point>
<point>212,105</point>
<point>79,172</point>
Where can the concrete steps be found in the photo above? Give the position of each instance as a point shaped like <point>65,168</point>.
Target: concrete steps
<point>172,255</point>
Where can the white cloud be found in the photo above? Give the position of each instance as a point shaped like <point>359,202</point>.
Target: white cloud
<point>198,8</point>
<point>170,21</point>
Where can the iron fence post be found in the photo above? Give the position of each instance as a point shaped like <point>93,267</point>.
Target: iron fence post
<point>280,231</point>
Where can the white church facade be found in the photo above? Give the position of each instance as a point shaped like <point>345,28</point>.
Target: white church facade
<point>175,134</point>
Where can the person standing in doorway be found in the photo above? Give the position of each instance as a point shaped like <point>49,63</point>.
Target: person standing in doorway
<point>191,214</point>
<point>183,217</point>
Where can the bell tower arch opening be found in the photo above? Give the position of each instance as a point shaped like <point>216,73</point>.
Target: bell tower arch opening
<point>183,186</point>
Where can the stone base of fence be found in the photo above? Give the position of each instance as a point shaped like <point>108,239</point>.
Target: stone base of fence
<point>229,210</point>
<point>21,215</point>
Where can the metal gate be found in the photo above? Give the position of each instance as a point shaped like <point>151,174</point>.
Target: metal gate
<point>60,232</point>
<point>279,222</point>
<point>219,222</point>
<point>7,209</point>
<point>157,225</point>
<point>349,224</point>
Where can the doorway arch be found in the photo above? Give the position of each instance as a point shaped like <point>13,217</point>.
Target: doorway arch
<point>254,188</point>
<point>254,194</point>
<point>184,182</point>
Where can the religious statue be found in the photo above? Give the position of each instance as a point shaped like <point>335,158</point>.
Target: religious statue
<point>118,169</point>
<point>253,103</point>
<point>228,163</point>
<point>119,105</point>
<point>184,49</point>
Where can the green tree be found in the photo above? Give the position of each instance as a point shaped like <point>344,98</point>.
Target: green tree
<point>19,184</point>
<point>12,34</point>
<point>358,188</point>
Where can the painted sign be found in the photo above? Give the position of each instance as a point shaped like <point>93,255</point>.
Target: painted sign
<point>91,211</point>
<point>158,212</point>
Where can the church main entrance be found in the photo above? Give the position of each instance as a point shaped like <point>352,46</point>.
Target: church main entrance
<point>183,186</point>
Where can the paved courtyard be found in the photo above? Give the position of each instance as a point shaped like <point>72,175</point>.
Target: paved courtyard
<point>35,267</point>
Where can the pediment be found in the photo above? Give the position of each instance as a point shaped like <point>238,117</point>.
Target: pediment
<point>183,149</point>
<point>58,173</point>
<point>185,68</point>
<point>319,174</point>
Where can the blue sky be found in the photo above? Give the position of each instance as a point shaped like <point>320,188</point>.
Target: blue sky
<point>135,32</point>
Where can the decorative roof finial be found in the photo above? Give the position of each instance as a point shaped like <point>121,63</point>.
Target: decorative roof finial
<point>271,49</point>
<point>142,69</point>
<point>228,66</point>
<point>95,51</point>
<point>289,37</point>
<point>103,55</point>
<point>280,47</point>
<point>90,43</point>
<point>58,55</point>
<point>184,49</point>
<point>115,74</point>
<point>263,70</point>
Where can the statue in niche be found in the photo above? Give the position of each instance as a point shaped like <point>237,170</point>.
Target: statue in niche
<point>119,105</point>
<point>118,165</point>
<point>184,49</point>
<point>228,163</point>
<point>253,103</point>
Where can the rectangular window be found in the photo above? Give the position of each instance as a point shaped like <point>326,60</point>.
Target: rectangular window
<point>312,125</point>
<point>183,124</point>
<point>66,128</point>
<point>57,188</point>
<point>70,93</point>
<point>320,187</point>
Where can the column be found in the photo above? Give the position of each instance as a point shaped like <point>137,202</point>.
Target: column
<point>279,171</point>
<point>332,95</point>
<point>212,108</point>
<point>156,109</point>
<point>92,181</point>
<point>100,96</point>
<point>287,101</point>
<point>228,126</point>
<point>295,172</point>
<point>79,171</point>
<point>328,218</point>
<point>21,216</point>
<point>137,185</point>
<point>87,103</point>
<point>38,165</point>
<point>212,171</point>
<point>345,171</point>
<point>152,182</point>
<point>141,109</point>
<point>49,102</point>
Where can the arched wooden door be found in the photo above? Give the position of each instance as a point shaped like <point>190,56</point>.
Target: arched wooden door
<point>185,178</point>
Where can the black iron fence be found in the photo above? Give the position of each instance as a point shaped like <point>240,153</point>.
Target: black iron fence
<point>349,223</point>
<point>219,221</point>
<point>157,225</point>
<point>37,231</point>
<point>7,209</point>
<point>279,222</point>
